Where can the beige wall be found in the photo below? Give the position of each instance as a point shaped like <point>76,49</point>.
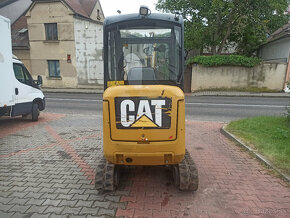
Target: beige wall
<point>94,14</point>
<point>42,50</point>
<point>24,56</point>
<point>268,75</point>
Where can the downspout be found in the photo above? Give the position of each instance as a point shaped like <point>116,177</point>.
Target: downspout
<point>286,89</point>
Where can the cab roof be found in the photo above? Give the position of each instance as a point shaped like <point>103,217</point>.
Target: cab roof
<point>154,16</point>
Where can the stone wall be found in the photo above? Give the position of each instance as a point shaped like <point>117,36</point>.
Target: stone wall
<point>89,45</point>
<point>265,75</point>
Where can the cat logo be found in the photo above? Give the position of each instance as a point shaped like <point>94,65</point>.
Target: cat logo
<point>142,112</point>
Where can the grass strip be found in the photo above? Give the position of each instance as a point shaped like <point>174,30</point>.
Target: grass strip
<point>270,136</point>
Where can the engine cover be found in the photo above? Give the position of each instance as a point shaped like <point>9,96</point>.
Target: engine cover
<point>143,113</point>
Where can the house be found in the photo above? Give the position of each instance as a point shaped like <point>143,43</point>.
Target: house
<point>277,47</point>
<point>61,40</point>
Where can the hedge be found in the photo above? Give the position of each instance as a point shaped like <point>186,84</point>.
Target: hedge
<point>220,60</point>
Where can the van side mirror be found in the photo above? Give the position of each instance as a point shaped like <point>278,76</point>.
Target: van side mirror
<point>39,80</point>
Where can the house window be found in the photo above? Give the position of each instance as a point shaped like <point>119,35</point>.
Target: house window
<point>51,31</point>
<point>53,68</point>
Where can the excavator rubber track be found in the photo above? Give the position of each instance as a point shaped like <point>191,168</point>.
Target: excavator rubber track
<point>107,175</point>
<point>185,174</point>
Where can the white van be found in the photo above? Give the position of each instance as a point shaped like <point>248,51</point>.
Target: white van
<point>19,93</point>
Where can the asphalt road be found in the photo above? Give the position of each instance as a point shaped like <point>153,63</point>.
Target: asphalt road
<point>204,108</point>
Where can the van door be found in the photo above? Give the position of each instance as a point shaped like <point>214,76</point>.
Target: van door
<point>24,87</point>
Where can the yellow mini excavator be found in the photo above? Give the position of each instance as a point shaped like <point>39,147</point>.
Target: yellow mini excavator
<point>143,102</point>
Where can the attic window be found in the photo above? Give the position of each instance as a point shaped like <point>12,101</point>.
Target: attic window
<point>23,30</point>
<point>98,14</point>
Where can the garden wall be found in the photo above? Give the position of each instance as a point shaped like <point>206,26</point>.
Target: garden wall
<point>266,75</point>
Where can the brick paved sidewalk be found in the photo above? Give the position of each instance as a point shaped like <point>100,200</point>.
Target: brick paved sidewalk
<point>47,170</point>
<point>232,183</point>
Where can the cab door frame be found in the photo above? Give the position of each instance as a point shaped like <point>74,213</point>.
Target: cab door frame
<point>24,88</point>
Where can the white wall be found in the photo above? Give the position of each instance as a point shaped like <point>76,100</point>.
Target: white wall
<point>89,45</point>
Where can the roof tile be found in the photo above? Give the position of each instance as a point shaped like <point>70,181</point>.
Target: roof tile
<point>82,7</point>
<point>18,38</point>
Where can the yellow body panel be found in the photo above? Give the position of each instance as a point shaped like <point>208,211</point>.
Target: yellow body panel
<point>147,145</point>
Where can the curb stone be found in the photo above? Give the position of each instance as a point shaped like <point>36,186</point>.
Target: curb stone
<point>77,91</point>
<point>257,155</point>
<point>197,93</point>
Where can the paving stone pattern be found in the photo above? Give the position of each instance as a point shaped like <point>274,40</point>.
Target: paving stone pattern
<point>47,169</point>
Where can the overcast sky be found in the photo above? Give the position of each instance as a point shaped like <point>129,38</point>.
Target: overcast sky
<point>110,7</point>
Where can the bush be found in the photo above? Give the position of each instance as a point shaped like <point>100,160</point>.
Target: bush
<point>230,60</point>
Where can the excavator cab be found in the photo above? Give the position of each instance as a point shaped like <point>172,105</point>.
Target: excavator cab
<point>143,101</point>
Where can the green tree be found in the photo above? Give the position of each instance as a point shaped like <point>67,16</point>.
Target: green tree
<point>216,24</point>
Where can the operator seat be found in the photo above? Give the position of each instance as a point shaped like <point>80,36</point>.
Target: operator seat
<point>141,73</point>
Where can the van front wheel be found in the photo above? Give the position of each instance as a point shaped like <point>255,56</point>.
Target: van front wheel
<point>34,112</point>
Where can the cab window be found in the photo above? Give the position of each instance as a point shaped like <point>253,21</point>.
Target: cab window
<point>147,54</point>
<point>22,74</point>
